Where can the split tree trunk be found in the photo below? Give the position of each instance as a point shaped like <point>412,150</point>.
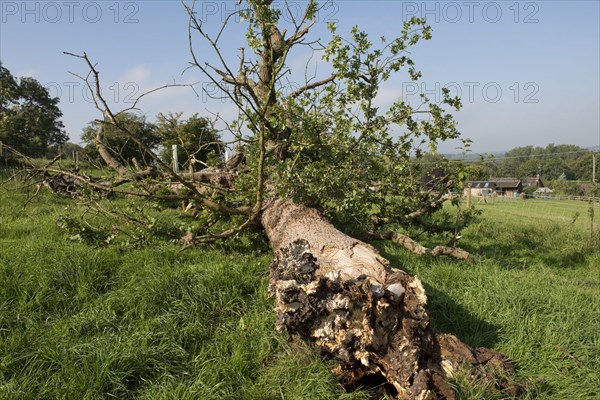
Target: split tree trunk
<point>339,293</point>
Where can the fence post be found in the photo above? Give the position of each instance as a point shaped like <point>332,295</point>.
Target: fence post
<point>175,160</point>
<point>591,214</point>
<point>469,196</point>
<point>593,168</point>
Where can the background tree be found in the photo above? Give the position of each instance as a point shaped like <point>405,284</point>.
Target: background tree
<point>29,117</point>
<point>9,89</point>
<point>117,138</point>
<point>550,162</point>
<point>68,150</point>
<point>581,167</point>
<point>196,138</point>
<point>566,188</point>
<point>483,169</point>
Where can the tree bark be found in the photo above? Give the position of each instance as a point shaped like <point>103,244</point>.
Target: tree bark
<point>106,154</point>
<point>342,295</point>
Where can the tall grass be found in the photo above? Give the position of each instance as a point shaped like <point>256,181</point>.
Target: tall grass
<point>81,322</point>
<point>151,323</point>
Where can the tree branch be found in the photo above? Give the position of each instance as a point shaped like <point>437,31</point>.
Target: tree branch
<point>310,86</point>
<point>439,199</point>
<point>417,248</point>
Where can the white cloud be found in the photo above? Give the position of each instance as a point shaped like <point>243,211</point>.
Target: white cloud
<point>138,74</point>
<point>387,96</point>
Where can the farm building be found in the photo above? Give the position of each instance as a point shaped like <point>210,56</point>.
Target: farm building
<point>510,187</point>
<point>533,181</point>
<point>480,188</point>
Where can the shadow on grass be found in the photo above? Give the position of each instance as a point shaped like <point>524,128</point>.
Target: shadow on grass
<point>447,315</point>
<point>521,256</point>
<point>450,317</point>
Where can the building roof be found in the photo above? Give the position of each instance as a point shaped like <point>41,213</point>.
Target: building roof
<point>533,181</point>
<point>496,183</point>
<point>508,183</point>
<point>481,184</point>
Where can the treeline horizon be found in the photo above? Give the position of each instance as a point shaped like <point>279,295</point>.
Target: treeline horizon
<point>552,162</point>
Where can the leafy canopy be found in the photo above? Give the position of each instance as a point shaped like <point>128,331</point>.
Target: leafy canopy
<point>29,117</point>
<point>118,138</point>
<point>333,145</point>
<point>551,162</point>
<point>330,142</point>
<point>197,140</point>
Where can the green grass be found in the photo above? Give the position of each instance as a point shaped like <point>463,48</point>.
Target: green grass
<point>533,294</point>
<point>151,323</point>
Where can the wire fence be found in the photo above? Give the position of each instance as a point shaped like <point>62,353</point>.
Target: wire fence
<point>542,207</point>
<point>540,196</point>
<point>580,213</point>
<point>10,151</point>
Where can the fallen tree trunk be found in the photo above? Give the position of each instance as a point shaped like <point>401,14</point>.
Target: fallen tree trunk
<point>339,293</point>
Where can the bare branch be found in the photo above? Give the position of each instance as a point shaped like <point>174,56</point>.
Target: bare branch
<point>110,118</point>
<point>417,248</point>
<point>440,198</point>
<point>211,237</point>
<point>166,86</point>
<point>299,34</point>
<point>310,86</point>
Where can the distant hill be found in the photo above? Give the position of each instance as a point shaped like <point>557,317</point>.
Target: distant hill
<point>495,154</point>
<point>474,156</point>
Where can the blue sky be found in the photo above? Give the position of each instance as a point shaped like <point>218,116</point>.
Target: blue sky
<point>528,72</point>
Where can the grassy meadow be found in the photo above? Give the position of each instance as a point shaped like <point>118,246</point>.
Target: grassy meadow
<point>85,322</point>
